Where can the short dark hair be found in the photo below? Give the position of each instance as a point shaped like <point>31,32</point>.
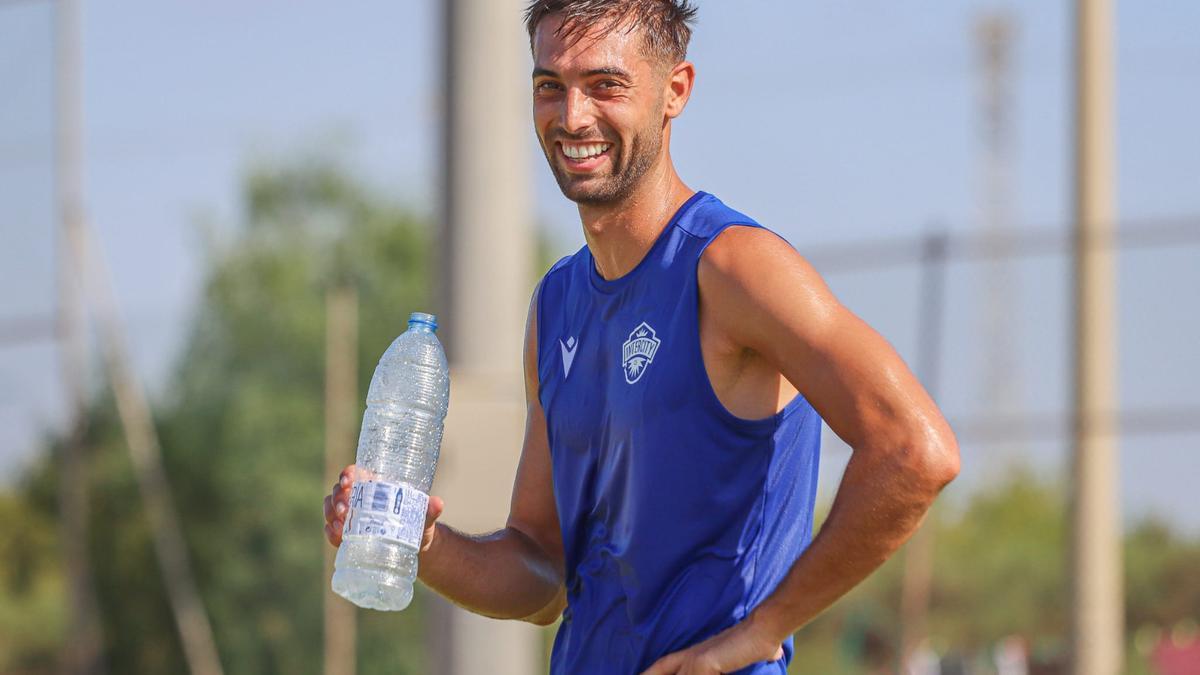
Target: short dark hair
<point>666,24</point>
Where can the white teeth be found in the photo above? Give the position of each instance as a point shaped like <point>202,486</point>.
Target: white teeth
<point>584,151</point>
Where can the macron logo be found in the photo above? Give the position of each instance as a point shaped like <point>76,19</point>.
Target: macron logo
<point>568,354</point>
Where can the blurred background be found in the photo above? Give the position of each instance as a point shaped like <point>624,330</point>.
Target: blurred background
<point>215,216</point>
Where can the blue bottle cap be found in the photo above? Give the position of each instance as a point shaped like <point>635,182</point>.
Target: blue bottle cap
<point>423,319</point>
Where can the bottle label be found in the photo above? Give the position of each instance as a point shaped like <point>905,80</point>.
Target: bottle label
<point>387,510</point>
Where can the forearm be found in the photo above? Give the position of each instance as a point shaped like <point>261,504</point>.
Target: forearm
<point>503,574</point>
<point>880,503</point>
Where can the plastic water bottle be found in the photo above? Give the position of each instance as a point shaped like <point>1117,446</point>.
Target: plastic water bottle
<point>397,454</point>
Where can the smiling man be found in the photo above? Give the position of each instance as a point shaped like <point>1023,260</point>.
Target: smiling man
<point>678,368</point>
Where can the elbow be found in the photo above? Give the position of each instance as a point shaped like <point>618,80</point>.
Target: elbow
<point>925,464</point>
<point>546,616</point>
<point>542,619</point>
<point>951,464</point>
<point>937,464</point>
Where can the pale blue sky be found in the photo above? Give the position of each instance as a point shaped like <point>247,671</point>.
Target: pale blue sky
<point>830,123</point>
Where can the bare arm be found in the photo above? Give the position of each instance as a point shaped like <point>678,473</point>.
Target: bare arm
<point>515,572</point>
<point>764,297</point>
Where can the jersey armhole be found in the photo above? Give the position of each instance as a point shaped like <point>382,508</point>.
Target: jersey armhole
<point>539,295</point>
<point>788,408</point>
<point>539,292</point>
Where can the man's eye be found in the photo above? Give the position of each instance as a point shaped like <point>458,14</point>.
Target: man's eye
<point>609,84</point>
<point>546,86</point>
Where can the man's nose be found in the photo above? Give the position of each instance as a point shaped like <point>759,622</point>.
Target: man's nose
<point>577,113</point>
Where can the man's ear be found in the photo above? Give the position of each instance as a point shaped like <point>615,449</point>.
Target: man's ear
<point>679,88</point>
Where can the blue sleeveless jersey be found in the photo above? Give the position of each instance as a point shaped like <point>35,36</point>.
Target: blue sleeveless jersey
<point>678,518</point>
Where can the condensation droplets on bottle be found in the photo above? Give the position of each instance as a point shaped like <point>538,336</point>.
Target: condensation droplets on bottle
<point>397,455</point>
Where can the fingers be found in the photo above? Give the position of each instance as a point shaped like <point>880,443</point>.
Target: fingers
<point>666,665</point>
<point>335,515</point>
<point>335,509</point>
<point>337,504</point>
<point>333,532</point>
<point>341,492</point>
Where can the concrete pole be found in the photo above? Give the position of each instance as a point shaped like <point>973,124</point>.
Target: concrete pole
<point>341,419</point>
<point>487,203</point>
<point>1096,584</point>
<point>82,653</point>
<point>486,280</point>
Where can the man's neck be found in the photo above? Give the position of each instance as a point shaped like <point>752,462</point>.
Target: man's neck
<point>620,234</point>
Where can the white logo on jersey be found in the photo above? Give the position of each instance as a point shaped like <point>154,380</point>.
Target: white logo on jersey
<point>568,354</point>
<point>638,351</point>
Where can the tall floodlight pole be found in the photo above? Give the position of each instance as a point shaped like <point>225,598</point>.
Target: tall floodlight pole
<point>81,257</point>
<point>145,453</point>
<point>994,34</point>
<point>1096,583</point>
<point>916,584</point>
<point>81,653</point>
<point>485,280</point>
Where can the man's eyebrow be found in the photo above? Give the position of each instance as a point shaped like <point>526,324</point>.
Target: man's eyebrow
<point>615,72</point>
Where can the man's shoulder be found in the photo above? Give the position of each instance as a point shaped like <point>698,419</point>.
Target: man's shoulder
<point>710,216</point>
<point>736,247</point>
<point>748,246</point>
<point>731,237</point>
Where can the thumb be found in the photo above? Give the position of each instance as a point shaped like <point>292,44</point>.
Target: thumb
<point>434,510</point>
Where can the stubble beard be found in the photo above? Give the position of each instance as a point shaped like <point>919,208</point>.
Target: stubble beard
<point>617,185</point>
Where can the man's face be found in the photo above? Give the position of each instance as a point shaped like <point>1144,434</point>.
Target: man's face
<point>598,111</point>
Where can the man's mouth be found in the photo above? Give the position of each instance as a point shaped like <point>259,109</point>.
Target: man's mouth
<point>584,155</point>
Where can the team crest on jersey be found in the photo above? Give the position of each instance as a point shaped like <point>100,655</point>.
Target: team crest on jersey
<point>638,352</point>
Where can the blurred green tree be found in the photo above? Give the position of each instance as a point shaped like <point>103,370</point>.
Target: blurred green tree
<point>242,437</point>
<point>998,571</point>
<point>244,424</point>
<point>1162,576</point>
<point>1000,566</point>
<point>32,612</point>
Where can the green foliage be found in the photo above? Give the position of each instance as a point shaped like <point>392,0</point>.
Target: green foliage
<point>998,571</point>
<point>999,568</point>
<point>1162,577</point>
<point>32,615</point>
<point>242,436</point>
<point>245,429</point>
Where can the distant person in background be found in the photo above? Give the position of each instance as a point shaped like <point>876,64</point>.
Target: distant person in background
<point>677,371</point>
